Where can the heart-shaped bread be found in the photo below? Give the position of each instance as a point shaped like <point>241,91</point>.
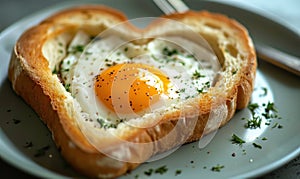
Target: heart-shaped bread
<point>102,148</point>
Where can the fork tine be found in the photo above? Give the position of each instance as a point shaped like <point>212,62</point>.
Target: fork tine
<point>164,6</point>
<point>179,5</point>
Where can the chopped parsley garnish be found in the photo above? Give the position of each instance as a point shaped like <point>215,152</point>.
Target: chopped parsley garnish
<point>264,138</point>
<point>65,70</point>
<point>254,123</point>
<point>236,140</point>
<point>200,90</point>
<point>190,56</point>
<point>169,52</point>
<point>67,87</point>
<point>155,58</point>
<point>77,48</point>
<point>252,107</point>
<point>106,125</point>
<point>177,77</point>
<point>161,170</point>
<point>275,125</point>
<point>182,90</point>
<point>182,63</point>
<point>197,75</point>
<point>177,172</point>
<point>270,107</point>
<point>206,85</point>
<point>217,168</point>
<point>265,91</point>
<point>148,172</point>
<point>54,71</point>
<point>269,113</point>
<point>257,145</point>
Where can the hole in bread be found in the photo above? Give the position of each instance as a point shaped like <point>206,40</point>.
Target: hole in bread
<point>142,41</point>
<point>212,25</point>
<point>232,50</point>
<point>213,42</point>
<point>226,35</point>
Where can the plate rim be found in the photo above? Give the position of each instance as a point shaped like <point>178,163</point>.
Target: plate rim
<point>62,5</point>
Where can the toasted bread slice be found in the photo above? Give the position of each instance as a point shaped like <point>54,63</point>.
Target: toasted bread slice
<point>35,56</point>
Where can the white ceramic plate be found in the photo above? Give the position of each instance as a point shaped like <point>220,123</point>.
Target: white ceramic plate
<point>26,143</point>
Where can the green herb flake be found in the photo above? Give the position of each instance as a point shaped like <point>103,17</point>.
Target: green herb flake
<point>88,53</point>
<point>254,123</point>
<point>77,48</point>
<point>54,71</point>
<point>169,52</point>
<point>200,90</point>
<point>271,107</point>
<point>182,90</point>
<point>275,125</point>
<point>236,140</point>
<point>161,170</point>
<point>182,63</point>
<point>67,87</point>
<point>155,58</point>
<point>65,70</point>
<point>264,138</point>
<point>190,56</point>
<point>217,168</point>
<point>252,107</point>
<point>177,172</point>
<point>197,75</point>
<point>257,145</point>
<point>148,172</point>
<point>177,76</point>
<point>207,84</point>
<point>104,124</point>
<point>265,92</point>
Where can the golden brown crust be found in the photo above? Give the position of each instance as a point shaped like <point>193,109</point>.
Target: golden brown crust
<point>32,79</point>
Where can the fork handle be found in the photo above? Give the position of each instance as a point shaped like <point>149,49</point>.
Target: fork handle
<point>278,58</point>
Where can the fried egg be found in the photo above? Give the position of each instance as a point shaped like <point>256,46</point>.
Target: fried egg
<point>115,80</point>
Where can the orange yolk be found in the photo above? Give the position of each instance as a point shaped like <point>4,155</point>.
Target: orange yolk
<point>127,88</point>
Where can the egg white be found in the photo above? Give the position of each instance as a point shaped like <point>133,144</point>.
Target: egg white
<point>188,75</point>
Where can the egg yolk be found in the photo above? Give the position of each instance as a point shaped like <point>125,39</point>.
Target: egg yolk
<point>127,88</point>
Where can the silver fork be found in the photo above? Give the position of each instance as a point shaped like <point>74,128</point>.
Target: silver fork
<point>264,52</point>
